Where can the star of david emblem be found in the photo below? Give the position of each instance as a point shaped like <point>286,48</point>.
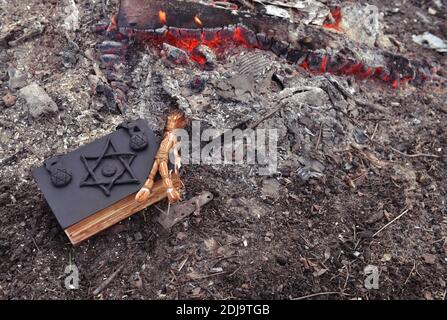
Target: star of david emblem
<point>110,175</point>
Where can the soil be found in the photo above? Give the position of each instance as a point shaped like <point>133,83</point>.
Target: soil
<point>303,238</point>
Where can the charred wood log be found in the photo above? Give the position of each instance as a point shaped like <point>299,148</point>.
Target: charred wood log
<point>188,25</point>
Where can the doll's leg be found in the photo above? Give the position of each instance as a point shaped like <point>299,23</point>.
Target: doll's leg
<point>173,193</point>
<point>145,191</point>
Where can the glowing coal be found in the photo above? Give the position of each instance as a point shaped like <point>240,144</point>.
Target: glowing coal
<point>192,32</point>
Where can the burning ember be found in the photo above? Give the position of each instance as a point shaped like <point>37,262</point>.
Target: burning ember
<point>198,22</point>
<point>162,17</point>
<point>195,33</point>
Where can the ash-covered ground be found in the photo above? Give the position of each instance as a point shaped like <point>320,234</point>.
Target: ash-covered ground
<point>348,165</point>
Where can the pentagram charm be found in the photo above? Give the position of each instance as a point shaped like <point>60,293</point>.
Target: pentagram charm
<point>105,175</point>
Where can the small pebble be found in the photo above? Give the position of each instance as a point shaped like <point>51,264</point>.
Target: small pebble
<point>216,269</point>
<point>432,11</point>
<point>281,260</point>
<point>136,281</point>
<point>138,236</point>
<point>181,236</point>
<point>429,258</point>
<point>9,100</point>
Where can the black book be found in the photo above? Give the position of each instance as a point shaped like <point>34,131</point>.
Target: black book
<point>97,175</point>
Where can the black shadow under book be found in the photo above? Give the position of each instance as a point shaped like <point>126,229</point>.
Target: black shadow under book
<point>93,187</point>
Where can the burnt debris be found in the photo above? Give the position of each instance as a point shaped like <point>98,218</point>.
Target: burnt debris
<point>190,31</point>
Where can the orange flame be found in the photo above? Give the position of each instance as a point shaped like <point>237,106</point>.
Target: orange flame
<point>198,22</point>
<point>189,41</point>
<point>162,16</point>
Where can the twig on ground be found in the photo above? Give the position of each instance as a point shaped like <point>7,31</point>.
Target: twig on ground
<point>211,275</point>
<point>375,130</point>
<point>320,294</point>
<point>183,263</point>
<point>416,155</point>
<point>411,272</point>
<point>319,137</point>
<point>12,158</point>
<point>348,95</point>
<point>357,244</point>
<point>174,278</point>
<point>169,208</point>
<point>389,223</point>
<point>333,100</point>
<point>35,243</point>
<point>220,259</point>
<point>159,209</point>
<point>265,117</point>
<point>234,272</point>
<point>107,281</point>
<point>306,241</point>
<point>439,240</point>
<point>346,279</point>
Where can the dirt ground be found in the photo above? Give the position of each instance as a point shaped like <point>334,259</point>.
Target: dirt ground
<point>249,242</point>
